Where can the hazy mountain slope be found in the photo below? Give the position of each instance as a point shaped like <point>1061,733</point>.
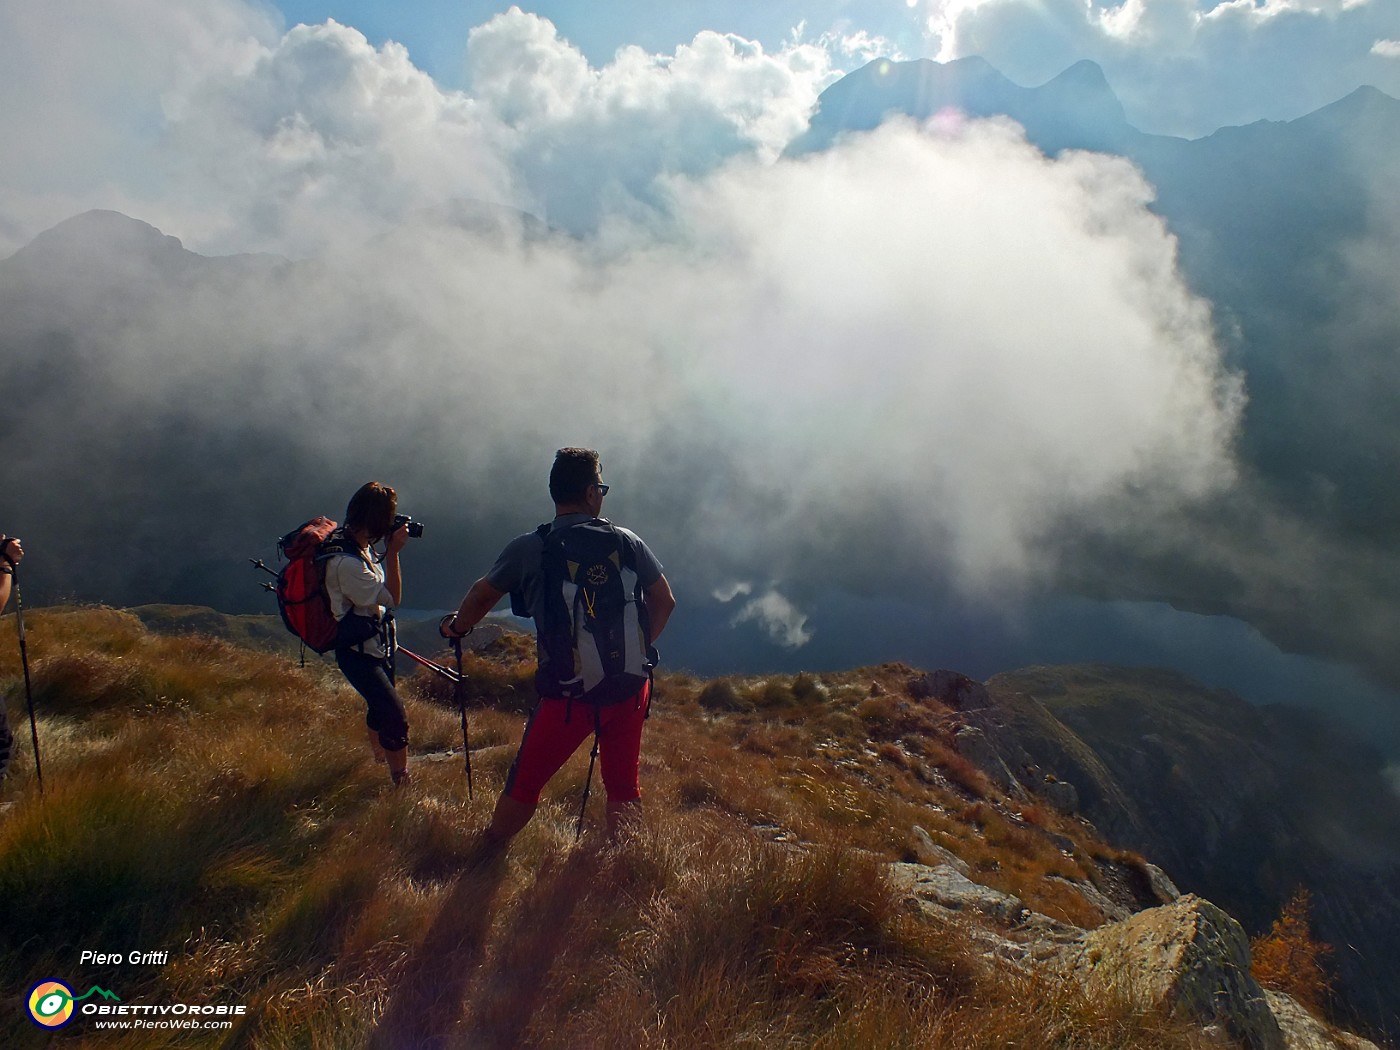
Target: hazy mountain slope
<point>1239,803</point>
<point>1285,227</point>
<point>1076,110</point>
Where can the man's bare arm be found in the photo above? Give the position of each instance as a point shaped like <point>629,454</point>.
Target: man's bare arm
<point>481,598</point>
<point>660,603</point>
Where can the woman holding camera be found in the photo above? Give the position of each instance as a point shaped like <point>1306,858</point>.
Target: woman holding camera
<point>364,588</point>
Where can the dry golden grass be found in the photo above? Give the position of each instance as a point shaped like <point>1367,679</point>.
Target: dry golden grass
<point>221,803</point>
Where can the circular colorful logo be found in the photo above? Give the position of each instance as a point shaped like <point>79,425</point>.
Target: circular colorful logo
<point>51,1004</point>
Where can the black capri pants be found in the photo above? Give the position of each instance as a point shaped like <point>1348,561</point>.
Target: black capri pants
<point>373,678</point>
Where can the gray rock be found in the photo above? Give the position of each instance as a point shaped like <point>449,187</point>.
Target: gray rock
<point>1161,884</point>
<point>974,746</point>
<point>948,687</point>
<point>1303,1031</point>
<point>1061,794</point>
<point>931,854</point>
<point>1189,957</point>
<point>1112,910</point>
<point>947,889</point>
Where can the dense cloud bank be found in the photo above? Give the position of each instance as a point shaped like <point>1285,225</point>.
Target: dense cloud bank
<point>807,374</point>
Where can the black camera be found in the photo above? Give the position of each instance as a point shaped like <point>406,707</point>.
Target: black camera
<point>415,528</point>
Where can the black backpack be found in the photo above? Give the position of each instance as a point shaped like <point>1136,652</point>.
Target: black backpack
<point>594,635</point>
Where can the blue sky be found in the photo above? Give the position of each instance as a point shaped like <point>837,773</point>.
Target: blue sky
<point>435,31</point>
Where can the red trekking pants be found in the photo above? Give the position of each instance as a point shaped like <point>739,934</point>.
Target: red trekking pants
<point>554,732</point>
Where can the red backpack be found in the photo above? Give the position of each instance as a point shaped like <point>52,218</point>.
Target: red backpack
<point>301,585</point>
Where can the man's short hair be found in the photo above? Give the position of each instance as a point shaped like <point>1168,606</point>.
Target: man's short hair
<point>372,508</point>
<point>573,471</point>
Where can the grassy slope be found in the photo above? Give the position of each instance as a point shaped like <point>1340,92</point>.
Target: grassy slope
<point>219,803</point>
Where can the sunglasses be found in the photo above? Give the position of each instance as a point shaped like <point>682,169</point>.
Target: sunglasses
<point>602,489</point>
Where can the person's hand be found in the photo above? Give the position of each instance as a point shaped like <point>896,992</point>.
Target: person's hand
<point>12,550</point>
<point>397,539</point>
<point>445,628</point>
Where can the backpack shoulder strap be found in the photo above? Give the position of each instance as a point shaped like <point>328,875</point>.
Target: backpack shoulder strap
<point>338,542</point>
<point>624,548</point>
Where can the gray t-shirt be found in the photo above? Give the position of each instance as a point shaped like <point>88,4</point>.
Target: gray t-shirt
<point>518,569</point>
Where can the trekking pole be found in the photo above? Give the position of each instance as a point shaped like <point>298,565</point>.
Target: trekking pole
<point>438,669</point>
<point>462,707</point>
<point>28,690</point>
<point>587,784</point>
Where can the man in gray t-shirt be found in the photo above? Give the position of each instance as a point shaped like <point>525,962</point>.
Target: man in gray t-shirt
<point>518,570</point>
<point>552,735</point>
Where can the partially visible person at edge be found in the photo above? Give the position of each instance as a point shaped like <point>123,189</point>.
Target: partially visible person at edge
<point>11,551</point>
<point>364,588</point>
<point>551,735</point>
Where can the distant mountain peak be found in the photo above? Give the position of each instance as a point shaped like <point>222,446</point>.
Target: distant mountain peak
<point>1077,107</point>
<point>1085,71</point>
<point>100,230</point>
<point>109,226</point>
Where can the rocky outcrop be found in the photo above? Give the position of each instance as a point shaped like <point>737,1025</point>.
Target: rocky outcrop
<point>1061,794</point>
<point>1188,957</point>
<point>1160,884</point>
<point>1241,804</point>
<point>974,746</point>
<point>947,889</point>
<point>998,923</point>
<point>951,689</point>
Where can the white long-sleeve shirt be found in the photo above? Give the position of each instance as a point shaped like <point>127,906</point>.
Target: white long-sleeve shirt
<point>354,584</point>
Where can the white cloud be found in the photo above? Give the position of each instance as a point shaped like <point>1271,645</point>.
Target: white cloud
<point>727,592</point>
<point>586,142</point>
<point>86,85</point>
<point>859,46</point>
<point>959,366</point>
<point>324,135</point>
<point>1386,48</point>
<point>241,138</point>
<point>783,621</point>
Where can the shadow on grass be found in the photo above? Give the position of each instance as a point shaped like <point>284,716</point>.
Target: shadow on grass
<point>505,1001</point>
<point>435,979</point>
